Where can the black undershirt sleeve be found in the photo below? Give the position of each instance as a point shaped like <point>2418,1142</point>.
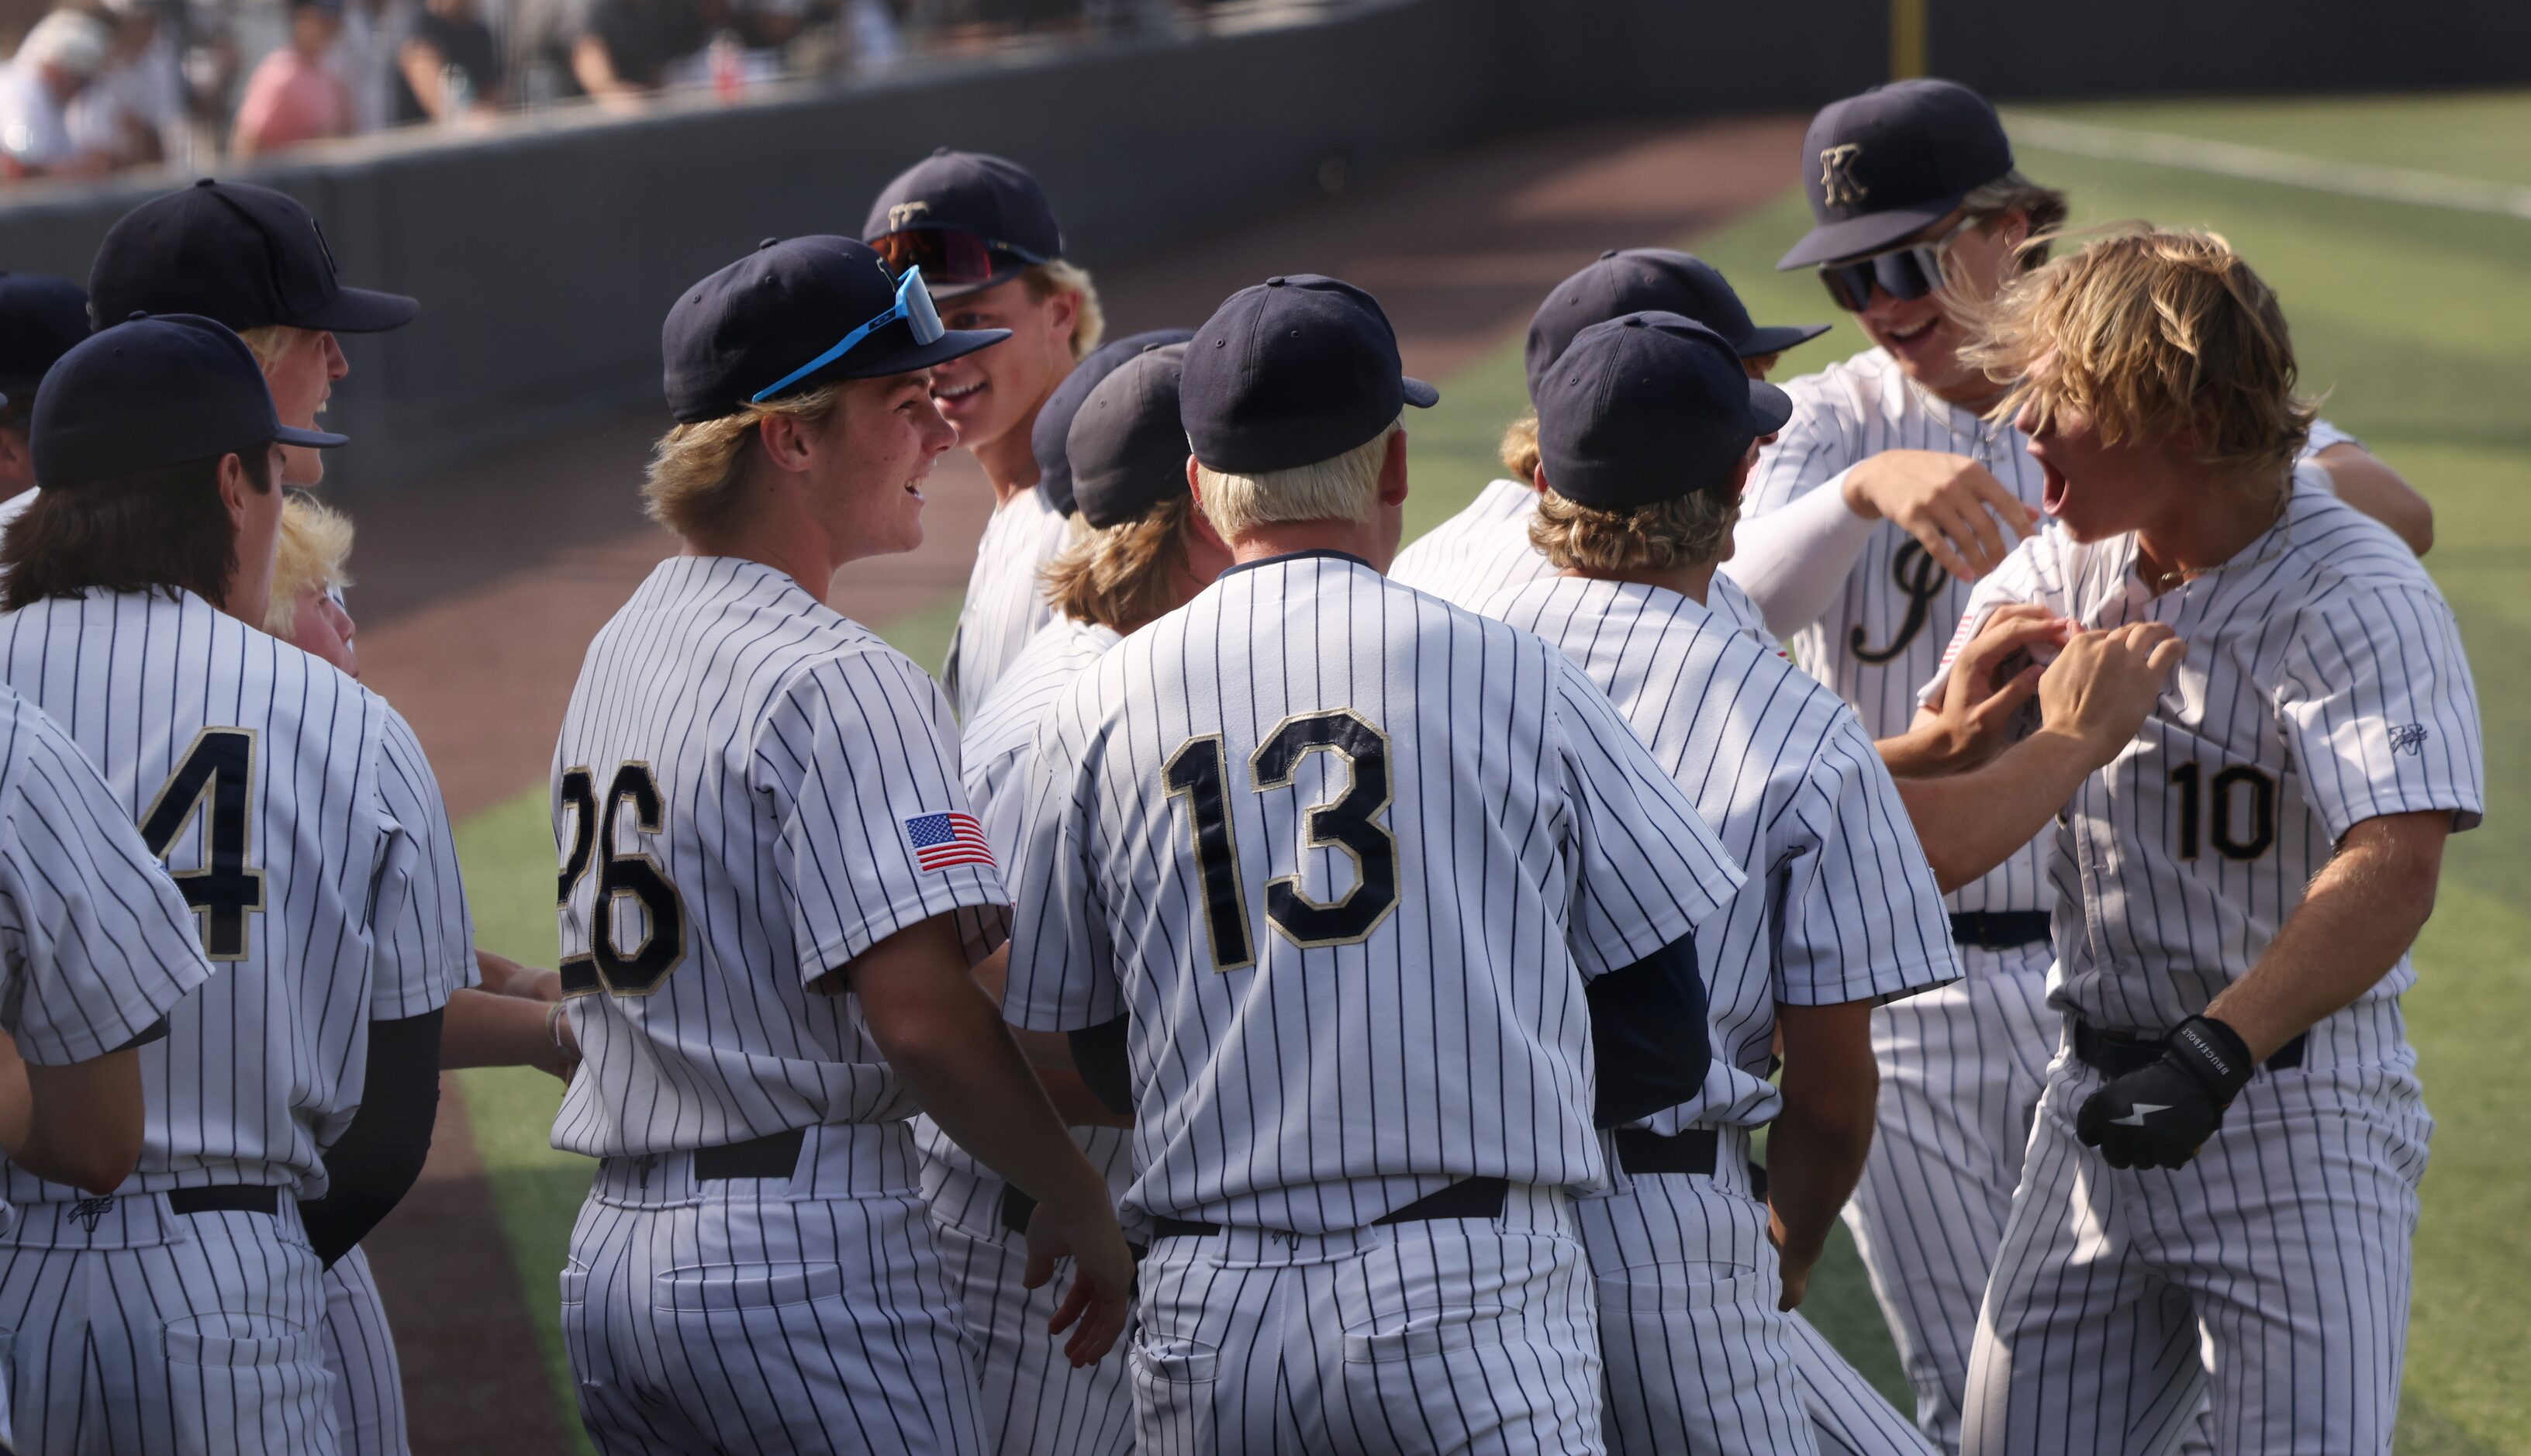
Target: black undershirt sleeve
<point>1099,1055</point>
<point>372,1166</point>
<point>1648,1034</point>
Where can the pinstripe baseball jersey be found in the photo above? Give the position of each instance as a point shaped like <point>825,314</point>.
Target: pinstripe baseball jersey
<point>95,941</point>
<point>2324,685</point>
<point>1345,854</point>
<point>998,749</point>
<point>1006,601</point>
<point>750,790</point>
<point>1882,635</point>
<point>305,830</point>
<point>1791,783</point>
<point>1485,549</point>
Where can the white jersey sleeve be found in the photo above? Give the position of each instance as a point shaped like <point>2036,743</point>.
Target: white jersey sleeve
<point>1859,919</point>
<point>98,942</point>
<point>425,938</point>
<point>1632,828</point>
<point>2378,701</point>
<point>860,761</point>
<point>1063,960</point>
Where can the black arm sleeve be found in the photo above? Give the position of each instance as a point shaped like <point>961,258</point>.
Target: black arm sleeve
<point>1099,1055</point>
<point>1648,1034</point>
<point>375,1161</point>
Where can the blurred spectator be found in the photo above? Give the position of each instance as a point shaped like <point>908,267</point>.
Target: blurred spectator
<point>294,96</point>
<point>57,60</point>
<point>134,112</point>
<point>449,66</point>
<point>365,56</point>
<point>627,46</point>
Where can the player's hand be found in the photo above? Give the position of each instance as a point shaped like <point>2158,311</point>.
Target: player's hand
<point>2159,1116</point>
<point>2103,685</point>
<point>1796,1270</point>
<point>1989,682</point>
<point>1101,1294</point>
<point>1956,508</point>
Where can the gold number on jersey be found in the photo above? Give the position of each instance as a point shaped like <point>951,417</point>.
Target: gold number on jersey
<point>2226,833</point>
<point>607,967</point>
<point>1198,773</point>
<point>215,778</point>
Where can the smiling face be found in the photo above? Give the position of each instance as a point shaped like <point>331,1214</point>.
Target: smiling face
<point>301,378</point>
<point>987,394</point>
<point>1923,335</point>
<point>870,459</point>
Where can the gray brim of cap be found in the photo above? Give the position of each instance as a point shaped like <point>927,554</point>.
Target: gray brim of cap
<point>1870,233</point>
<point>1421,395</point>
<point>315,439</point>
<point>958,343</point>
<point>1768,406</point>
<point>1775,338</point>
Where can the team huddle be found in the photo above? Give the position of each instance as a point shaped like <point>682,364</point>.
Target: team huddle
<point>1276,991</point>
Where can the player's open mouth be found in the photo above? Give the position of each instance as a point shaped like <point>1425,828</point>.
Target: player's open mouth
<point>957,392</point>
<point>1910,335</point>
<point>2054,496</point>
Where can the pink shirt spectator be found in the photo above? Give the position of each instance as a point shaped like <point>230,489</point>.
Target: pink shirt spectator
<point>290,99</point>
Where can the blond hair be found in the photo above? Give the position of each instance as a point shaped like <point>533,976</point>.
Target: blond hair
<point>2043,206</point>
<point>1692,529</point>
<point>2149,331</point>
<point>1520,449</point>
<point>697,470</point>
<point>1122,575</point>
<point>315,542</point>
<point>1090,321</point>
<point>266,342</point>
<point>1346,487</point>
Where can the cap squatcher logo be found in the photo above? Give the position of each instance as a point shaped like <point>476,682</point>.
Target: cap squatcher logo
<point>907,214</point>
<point>1837,185</point>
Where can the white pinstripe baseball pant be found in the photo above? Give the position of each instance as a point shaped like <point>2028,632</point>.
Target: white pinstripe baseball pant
<point>762,1314</point>
<point>1446,1335</point>
<point>361,1352</point>
<point>164,1333</point>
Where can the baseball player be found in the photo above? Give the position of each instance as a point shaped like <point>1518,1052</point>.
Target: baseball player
<point>1647,426</point>
<point>1054,424</point>
<point>1888,493</point>
<point>1485,547</point>
<point>1136,556</point>
<point>289,1105</point>
<point>40,318</point>
<point>765,846</point>
<point>511,1019</point>
<point>1315,873</point>
<point>980,230</point>
<point>2221,1181</point>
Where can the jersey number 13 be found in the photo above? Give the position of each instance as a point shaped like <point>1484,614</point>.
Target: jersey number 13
<point>1199,772</point>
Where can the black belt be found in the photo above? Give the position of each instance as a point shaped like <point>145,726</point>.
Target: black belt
<point>2116,1053</point>
<point>1642,1150</point>
<point>773,1156</point>
<point>1469,1198</point>
<point>1998,929</point>
<point>226,1197</point>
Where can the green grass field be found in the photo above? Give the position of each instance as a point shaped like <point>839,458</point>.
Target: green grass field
<point>2416,324</point>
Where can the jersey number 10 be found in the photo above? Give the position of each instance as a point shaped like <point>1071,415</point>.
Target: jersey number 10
<point>664,947</point>
<point>2232,838</point>
<point>1199,772</point>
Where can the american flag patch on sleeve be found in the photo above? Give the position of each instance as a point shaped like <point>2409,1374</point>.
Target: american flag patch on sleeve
<point>941,840</point>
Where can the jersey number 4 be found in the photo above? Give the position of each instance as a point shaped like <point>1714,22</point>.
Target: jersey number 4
<point>1200,771</point>
<point>215,779</point>
<point>607,967</point>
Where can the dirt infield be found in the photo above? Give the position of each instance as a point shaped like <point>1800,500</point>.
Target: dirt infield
<point>479,591</point>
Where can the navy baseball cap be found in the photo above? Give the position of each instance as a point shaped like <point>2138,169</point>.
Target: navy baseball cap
<point>1054,416</point>
<point>246,255</point>
<point>1892,161</point>
<point>41,319</point>
<point>754,324</point>
<point>1644,280</point>
<point>972,220</point>
<point>1649,408</point>
<point>1292,371</point>
<point>1128,450</point>
<point>154,392</point>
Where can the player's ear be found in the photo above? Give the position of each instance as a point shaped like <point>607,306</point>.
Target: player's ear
<point>784,440</point>
<point>1392,470</point>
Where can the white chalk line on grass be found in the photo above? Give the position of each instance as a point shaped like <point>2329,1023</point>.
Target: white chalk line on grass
<point>2263,164</point>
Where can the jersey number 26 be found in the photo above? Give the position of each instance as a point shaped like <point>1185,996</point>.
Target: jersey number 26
<point>1200,771</point>
<point>607,967</point>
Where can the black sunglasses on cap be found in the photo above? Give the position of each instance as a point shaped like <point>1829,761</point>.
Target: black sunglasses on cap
<point>950,257</point>
<point>1904,274</point>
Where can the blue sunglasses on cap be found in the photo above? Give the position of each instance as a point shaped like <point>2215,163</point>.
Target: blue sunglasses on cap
<point>913,305</point>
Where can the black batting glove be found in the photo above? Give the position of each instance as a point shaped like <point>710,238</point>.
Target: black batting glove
<point>2159,1116</point>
